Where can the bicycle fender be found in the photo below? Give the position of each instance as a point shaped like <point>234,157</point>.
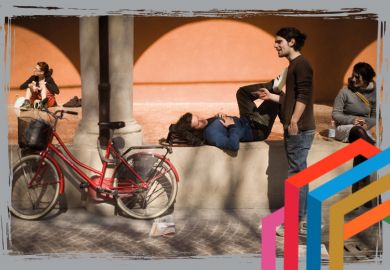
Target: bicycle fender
<point>166,159</point>
<point>171,164</point>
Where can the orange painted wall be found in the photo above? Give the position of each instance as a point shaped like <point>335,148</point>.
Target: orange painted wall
<point>54,40</point>
<point>200,59</point>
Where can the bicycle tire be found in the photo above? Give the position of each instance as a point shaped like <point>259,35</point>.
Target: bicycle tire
<point>38,199</point>
<point>140,202</point>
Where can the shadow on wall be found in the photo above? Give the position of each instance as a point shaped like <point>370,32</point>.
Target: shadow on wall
<point>68,40</point>
<point>55,40</point>
<point>332,46</point>
<point>276,174</point>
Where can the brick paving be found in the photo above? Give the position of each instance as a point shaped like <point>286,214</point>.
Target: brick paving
<point>201,233</point>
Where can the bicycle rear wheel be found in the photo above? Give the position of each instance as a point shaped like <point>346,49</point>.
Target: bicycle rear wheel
<point>35,187</point>
<point>151,200</point>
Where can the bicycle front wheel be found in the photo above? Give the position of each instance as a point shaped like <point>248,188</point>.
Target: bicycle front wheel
<point>154,194</point>
<point>35,187</point>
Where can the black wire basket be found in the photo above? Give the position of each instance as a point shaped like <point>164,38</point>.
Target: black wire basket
<point>33,133</point>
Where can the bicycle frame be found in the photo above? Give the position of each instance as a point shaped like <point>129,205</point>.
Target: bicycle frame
<point>103,184</point>
<point>142,183</point>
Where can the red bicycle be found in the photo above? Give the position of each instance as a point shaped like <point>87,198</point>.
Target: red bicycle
<point>143,184</point>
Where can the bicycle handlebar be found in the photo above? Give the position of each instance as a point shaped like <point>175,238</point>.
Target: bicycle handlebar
<point>61,112</point>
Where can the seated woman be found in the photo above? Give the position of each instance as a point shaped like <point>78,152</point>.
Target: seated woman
<point>226,132</point>
<point>40,86</point>
<point>354,111</point>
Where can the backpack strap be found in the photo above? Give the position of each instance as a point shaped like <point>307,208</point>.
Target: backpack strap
<point>363,99</point>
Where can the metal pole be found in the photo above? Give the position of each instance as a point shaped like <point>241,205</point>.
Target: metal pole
<point>104,83</point>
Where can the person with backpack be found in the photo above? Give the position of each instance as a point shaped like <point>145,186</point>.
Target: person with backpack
<point>40,87</point>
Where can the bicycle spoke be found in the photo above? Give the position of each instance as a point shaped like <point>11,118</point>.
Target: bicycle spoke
<point>161,186</point>
<point>158,176</point>
<point>35,187</point>
<point>27,184</point>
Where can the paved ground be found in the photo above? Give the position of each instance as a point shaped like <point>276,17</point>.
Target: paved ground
<point>205,232</point>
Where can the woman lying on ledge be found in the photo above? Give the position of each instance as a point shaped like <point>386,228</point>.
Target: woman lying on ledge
<point>226,132</point>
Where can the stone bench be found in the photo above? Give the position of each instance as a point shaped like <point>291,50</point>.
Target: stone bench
<point>252,178</point>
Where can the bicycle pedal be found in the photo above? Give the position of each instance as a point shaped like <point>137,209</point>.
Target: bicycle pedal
<point>101,190</point>
<point>84,185</point>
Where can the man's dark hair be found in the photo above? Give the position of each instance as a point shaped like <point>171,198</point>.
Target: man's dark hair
<point>289,33</point>
<point>365,70</point>
<point>184,133</point>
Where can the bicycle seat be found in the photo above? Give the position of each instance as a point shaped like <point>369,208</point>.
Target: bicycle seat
<point>112,125</point>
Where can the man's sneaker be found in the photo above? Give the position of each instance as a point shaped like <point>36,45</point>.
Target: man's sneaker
<point>280,81</point>
<point>302,230</point>
<point>26,104</point>
<point>302,227</point>
<point>280,230</point>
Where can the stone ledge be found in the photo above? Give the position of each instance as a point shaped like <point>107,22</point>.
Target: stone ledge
<point>211,178</point>
<point>253,178</point>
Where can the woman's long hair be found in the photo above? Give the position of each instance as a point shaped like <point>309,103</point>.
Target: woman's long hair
<point>43,66</point>
<point>185,132</point>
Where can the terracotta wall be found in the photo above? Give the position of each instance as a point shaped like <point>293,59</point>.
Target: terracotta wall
<point>54,40</point>
<point>200,59</point>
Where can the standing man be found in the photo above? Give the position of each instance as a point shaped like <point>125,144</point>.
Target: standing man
<point>296,108</point>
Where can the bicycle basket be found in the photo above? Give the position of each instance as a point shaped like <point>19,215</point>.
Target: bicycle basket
<point>33,133</point>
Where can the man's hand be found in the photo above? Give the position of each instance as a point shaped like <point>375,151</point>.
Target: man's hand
<point>220,115</point>
<point>262,93</point>
<point>293,128</point>
<point>227,121</point>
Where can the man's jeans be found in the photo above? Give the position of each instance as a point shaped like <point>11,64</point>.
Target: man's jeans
<point>297,148</point>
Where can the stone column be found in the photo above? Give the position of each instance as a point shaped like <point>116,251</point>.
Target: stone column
<point>121,36</point>
<point>88,131</point>
<point>121,80</point>
<point>84,142</point>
